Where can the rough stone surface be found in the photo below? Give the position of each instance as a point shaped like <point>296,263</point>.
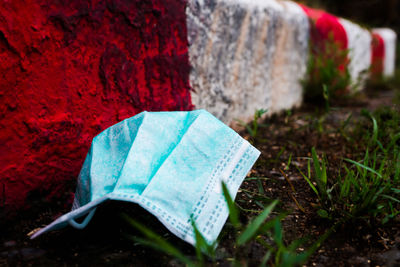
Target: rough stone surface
<point>389,37</point>
<point>69,69</point>
<point>359,46</point>
<point>347,35</point>
<point>246,55</point>
<point>326,27</point>
<point>290,59</point>
<point>377,55</point>
<point>327,33</point>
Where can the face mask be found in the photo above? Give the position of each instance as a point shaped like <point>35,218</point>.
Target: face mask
<point>171,164</point>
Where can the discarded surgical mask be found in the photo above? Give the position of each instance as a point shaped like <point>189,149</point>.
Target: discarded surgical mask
<point>171,164</point>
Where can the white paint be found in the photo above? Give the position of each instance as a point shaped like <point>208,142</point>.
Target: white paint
<point>251,54</point>
<point>259,4</point>
<point>290,65</point>
<point>293,9</point>
<point>246,55</point>
<point>359,45</point>
<point>389,38</point>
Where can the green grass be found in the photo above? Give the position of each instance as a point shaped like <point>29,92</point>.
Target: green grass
<point>253,127</point>
<point>327,75</point>
<point>261,229</point>
<point>365,188</point>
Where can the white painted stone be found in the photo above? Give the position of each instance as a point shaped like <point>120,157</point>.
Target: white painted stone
<point>359,45</point>
<point>246,55</point>
<point>389,38</point>
<point>290,60</point>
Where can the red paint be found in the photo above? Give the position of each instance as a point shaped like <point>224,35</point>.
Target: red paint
<point>326,26</point>
<point>377,55</point>
<point>328,39</point>
<point>68,70</point>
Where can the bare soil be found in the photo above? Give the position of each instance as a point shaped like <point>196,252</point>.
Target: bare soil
<point>104,242</point>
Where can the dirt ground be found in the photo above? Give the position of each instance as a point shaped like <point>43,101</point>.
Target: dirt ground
<point>104,242</point>
<point>350,245</point>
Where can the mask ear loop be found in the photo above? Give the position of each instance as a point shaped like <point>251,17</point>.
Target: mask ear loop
<point>85,222</point>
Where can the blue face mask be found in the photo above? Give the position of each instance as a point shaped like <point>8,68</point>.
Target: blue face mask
<point>171,164</point>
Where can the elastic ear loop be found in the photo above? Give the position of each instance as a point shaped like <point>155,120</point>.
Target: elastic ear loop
<point>85,222</point>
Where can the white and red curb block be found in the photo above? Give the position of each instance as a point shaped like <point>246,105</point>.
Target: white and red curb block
<point>384,51</point>
<point>327,28</point>
<point>246,55</point>
<point>359,46</point>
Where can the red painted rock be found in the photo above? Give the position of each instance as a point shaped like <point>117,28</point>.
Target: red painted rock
<point>343,41</point>
<point>384,52</point>
<point>70,70</point>
<point>326,26</point>
<point>329,42</point>
<point>377,55</point>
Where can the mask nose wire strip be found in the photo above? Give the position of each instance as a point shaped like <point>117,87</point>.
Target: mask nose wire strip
<point>85,222</point>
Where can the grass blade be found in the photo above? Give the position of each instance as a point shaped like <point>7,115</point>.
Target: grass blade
<point>364,167</point>
<point>278,236</point>
<point>320,174</point>
<point>395,190</point>
<point>155,241</point>
<point>233,212</point>
<point>317,167</point>
<point>289,162</point>
<point>260,187</point>
<point>324,177</point>
<point>391,198</point>
<point>255,224</point>
<point>168,250</point>
<point>308,181</point>
<point>279,154</point>
<point>265,259</point>
<point>366,113</point>
<point>202,245</point>
<point>375,130</point>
